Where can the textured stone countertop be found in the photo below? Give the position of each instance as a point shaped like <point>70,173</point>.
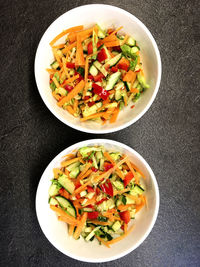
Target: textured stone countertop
<point>167,136</point>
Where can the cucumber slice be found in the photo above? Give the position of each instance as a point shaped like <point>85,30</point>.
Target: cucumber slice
<point>54,190</point>
<point>93,70</point>
<point>142,81</point>
<point>116,226</point>
<point>113,61</point>
<point>91,234</point>
<point>53,201</point>
<point>66,183</point>
<point>55,65</point>
<point>100,67</point>
<point>74,172</point>
<point>66,205</point>
<point>130,41</point>
<point>112,80</point>
<point>119,185</point>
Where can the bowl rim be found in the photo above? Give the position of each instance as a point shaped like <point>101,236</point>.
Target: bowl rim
<point>127,124</point>
<point>155,212</point>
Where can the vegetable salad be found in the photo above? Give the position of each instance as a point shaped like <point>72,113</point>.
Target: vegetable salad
<point>96,73</point>
<point>97,193</point>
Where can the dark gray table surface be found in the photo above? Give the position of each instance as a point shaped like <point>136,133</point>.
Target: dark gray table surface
<point>167,136</point>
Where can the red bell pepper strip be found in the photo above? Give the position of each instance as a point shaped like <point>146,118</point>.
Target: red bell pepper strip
<point>107,188</point>
<point>69,87</point>
<point>92,215</point>
<point>90,189</point>
<point>90,77</point>
<point>90,48</point>
<point>102,55</point>
<point>114,69</point>
<point>123,66</point>
<point>100,91</point>
<point>98,77</point>
<point>70,65</point>
<point>91,103</point>
<point>129,176</point>
<point>107,166</point>
<point>90,206</point>
<point>94,169</point>
<point>101,201</point>
<point>125,216</point>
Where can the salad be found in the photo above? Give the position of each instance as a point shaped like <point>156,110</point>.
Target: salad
<point>97,193</point>
<point>96,73</point>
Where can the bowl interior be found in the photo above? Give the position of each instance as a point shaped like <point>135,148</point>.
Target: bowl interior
<point>106,16</point>
<point>57,232</point>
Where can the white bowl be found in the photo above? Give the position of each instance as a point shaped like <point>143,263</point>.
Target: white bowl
<point>57,231</point>
<point>106,16</point>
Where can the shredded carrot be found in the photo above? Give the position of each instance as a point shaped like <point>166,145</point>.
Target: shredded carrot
<point>75,105</point>
<point>66,172</point>
<point>137,200</point>
<point>138,170</point>
<point>113,241</point>
<point>72,29</point>
<point>56,82</point>
<point>110,38</point>
<point>70,109</point>
<point>57,172</point>
<point>114,116</point>
<point>134,90</point>
<point>86,69</point>
<point>69,47</point>
<point>51,71</point>
<point>100,223</point>
<point>80,226</point>
<point>130,76</point>
<point>59,46</point>
<point>71,229</point>
<point>121,191</point>
<point>90,201</point>
<point>102,241</point>
<point>68,162</point>
<point>124,40</point>
<point>119,172</point>
<point>81,188</point>
<point>93,116</point>
<point>71,94</point>
<point>71,156</point>
<point>133,172</point>
<point>64,193</point>
<point>125,207</point>
<point>80,61</point>
<point>139,207</point>
<point>125,228</point>
<point>56,96</point>
<point>70,80</point>
<point>62,213</point>
<point>64,219</point>
<point>84,171</point>
<point>111,44</point>
<point>117,30</point>
<point>65,67</point>
<point>87,32</point>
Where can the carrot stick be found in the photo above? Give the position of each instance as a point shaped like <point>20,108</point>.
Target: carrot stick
<point>125,228</point>
<point>86,69</point>
<point>121,191</point>
<point>65,67</point>
<point>80,226</point>
<point>124,207</point>
<point>69,47</point>
<point>102,241</point>
<point>81,188</point>
<point>111,44</point>
<point>114,116</point>
<point>124,40</point>
<point>71,156</point>
<point>117,30</point>
<point>80,61</point>
<point>68,162</point>
<point>110,38</point>
<point>71,229</point>
<point>113,241</point>
<point>56,96</point>
<point>87,32</point>
<point>63,214</point>
<point>138,170</point>
<point>72,29</point>
<point>70,80</point>
<point>64,219</point>
<point>120,174</point>
<point>64,193</point>
<point>71,94</point>
<point>130,76</point>
<point>93,116</point>
<point>70,109</point>
<point>84,171</point>
<point>66,172</point>
<point>90,201</point>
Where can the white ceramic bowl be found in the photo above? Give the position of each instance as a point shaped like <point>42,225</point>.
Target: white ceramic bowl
<point>106,16</point>
<point>57,231</point>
